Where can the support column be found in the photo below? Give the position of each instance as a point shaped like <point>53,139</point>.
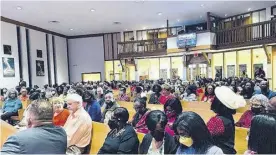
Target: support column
<point>136,70</point>
<point>210,66</point>
<point>184,60</point>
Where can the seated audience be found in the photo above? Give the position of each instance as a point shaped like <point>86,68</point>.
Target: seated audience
<point>155,96</point>
<point>122,95</point>
<point>222,126</point>
<point>92,107</point>
<point>24,97</point>
<point>172,109</point>
<point>11,105</point>
<point>100,96</point>
<point>194,136</point>
<point>166,94</point>
<point>258,105</point>
<point>262,137</point>
<point>41,136</point>
<point>122,138</point>
<point>209,94</point>
<point>137,93</point>
<point>264,85</point>
<point>78,126</point>
<point>108,107</point>
<point>158,141</point>
<point>271,107</point>
<point>60,114</point>
<point>139,119</point>
<point>190,93</point>
<point>248,90</point>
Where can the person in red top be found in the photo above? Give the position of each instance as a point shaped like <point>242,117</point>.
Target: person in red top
<point>258,103</point>
<point>172,109</point>
<point>166,94</point>
<point>209,94</point>
<point>122,95</point>
<point>60,114</point>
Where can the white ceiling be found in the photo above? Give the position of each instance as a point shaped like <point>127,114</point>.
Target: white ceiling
<point>133,15</point>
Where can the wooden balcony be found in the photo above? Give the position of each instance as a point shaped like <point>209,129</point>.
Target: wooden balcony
<point>247,35</point>
<point>142,48</point>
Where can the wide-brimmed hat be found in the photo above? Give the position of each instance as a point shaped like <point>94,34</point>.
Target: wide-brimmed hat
<point>229,98</point>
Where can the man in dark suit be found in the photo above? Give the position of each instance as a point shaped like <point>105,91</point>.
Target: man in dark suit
<point>41,136</point>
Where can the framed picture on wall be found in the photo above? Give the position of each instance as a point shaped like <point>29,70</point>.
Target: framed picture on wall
<point>40,71</point>
<point>242,70</point>
<point>39,53</point>
<point>230,70</point>
<point>163,73</point>
<point>8,67</point>
<point>7,49</point>
<point>218,72</point>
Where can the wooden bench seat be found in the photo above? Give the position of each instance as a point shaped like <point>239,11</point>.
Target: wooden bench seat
<point>6,131</point>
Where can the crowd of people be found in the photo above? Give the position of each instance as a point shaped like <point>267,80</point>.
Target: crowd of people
<point>58,118</point>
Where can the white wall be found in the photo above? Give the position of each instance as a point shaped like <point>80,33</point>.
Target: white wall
<point>9,37</point>
<point>38,42</point>
<point>61,60</point>
<point>86,55</point>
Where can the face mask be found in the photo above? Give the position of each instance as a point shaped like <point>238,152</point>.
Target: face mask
<point>113,124</point>
<point>187,141</point>
<point>158,135</point>
<point>170,114</point>
<point>256,110</point>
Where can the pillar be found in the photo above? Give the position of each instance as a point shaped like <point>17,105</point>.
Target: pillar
<point>209,67</point>
<point>184,60</point>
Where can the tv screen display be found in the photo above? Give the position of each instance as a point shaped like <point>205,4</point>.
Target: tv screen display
<point>186,40</point>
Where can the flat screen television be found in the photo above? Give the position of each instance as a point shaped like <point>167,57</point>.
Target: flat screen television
<point>186,40</point>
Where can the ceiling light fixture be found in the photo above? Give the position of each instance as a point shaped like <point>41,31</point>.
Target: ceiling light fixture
<point>178,20</point>
<point>144,28</point>
<point>159,13</point>
<point>126,29</point>
<point>249,9</point>
<point>92,10</point>
<point>71,29</point>
<point>163,25</point>
<point>117,23</point>
<point>202,5</point>
<point>19,8</point>
<point>200,16</point>
<point>54,22</point>
<point>225,15</point>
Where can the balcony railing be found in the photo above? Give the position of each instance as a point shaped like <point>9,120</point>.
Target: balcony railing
<point>142,48</point>
<point>247,35</point>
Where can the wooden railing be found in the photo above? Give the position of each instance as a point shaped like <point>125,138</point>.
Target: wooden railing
<point>247,35</point>
<point>142,48</point>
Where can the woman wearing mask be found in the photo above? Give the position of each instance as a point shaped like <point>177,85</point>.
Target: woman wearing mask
<point>262,137</point>
<point>248,90</point>
<point>139,119</point>
<point>193,135</point>
<point>92,107</point>
<point>108,107</point>
<point>122,138</point>
<point>154,97</point>
<point>60,114</point>
<point>222,126</point>
<point>172,109</point>
<point>209,94</point>
<point>158,141</point>
<point>11,105</point>
<point>258,104</point>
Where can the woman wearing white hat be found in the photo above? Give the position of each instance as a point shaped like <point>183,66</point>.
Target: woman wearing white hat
<point>222,126</point>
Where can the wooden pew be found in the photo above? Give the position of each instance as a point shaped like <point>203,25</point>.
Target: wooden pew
<point>6,131</point>
<point>240,140</point>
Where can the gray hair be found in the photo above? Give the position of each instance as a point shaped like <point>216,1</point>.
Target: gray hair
<point>41,110</point>
<point>12,91</point>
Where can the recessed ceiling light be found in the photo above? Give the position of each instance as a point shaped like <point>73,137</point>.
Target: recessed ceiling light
<point>178,20</point>
<point>116,23</point>
<point>19,8</point>
<point>92,10</point>
<point>202,5</point>
<point>225,15</point>
<point>159,13</point>
<point>163,25</point>
<point>71,29</point>
<point>144,28</point>
<point>249,9</point>
<point>200,16</point>
<point>126,29</point>
<point>54,22</point>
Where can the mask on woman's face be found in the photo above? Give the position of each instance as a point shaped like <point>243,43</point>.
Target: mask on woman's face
<point>170,114</point>
<point>256,110</point>
<point>158,135</point>
<point>113,124</point>
<point>187,141</point>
